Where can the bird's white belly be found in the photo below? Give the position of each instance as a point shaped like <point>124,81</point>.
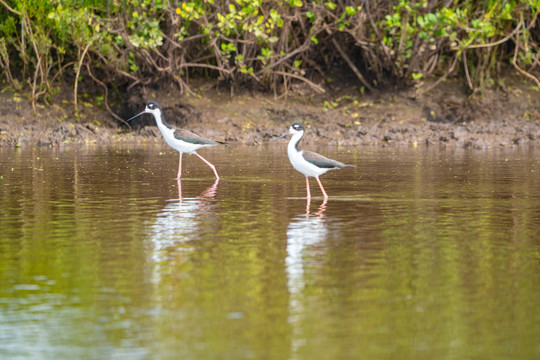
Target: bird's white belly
<point>303,166</point>
<point>178,145</point>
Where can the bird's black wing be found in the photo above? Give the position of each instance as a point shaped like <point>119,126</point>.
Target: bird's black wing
<point>321,161</point>
<point>192,138</point>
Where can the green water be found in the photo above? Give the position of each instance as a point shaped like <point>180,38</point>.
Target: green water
<point>420,253</point>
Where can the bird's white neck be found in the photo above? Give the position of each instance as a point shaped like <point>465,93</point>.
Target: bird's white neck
<point>158,118</point>
<point>293,144</point>
<point>159,121</point>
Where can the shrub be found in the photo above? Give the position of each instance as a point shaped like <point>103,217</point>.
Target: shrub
<point>270,44</point>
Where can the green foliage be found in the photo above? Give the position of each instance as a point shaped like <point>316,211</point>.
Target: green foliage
<point>271,44</point>
<point>415,33</point>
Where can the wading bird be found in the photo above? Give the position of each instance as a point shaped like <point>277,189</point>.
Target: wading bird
<point>181,140</point>
<point>307,162</point>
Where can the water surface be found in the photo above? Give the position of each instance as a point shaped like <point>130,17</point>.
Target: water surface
<point>422,253</point>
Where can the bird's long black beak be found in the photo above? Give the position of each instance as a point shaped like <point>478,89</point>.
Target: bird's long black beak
<point>139,114</point>
<point>287,133</point>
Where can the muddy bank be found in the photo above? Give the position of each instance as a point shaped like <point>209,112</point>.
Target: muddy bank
<point>444,116</point>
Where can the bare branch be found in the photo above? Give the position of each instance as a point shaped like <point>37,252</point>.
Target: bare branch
<point>351,65</point>
<point>441,79</point>
<point>514,62</point>
<point>78,73</point>
<point>313,85</point>
<point>10,9</point>
<point>106,96</point>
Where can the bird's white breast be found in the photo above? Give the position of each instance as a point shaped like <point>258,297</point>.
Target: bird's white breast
<point>178,145</point>
<point>301,165</point>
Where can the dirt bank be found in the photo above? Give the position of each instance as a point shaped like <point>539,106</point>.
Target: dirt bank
<point>446,115</point>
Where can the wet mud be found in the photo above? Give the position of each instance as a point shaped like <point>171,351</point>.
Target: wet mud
<point>447,116</point>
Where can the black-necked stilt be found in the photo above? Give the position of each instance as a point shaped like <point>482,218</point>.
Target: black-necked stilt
<point>181,140</point>
<point>307,162</point>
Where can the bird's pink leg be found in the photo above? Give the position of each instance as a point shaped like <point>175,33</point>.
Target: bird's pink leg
<point>322,189</point>
<point>179,183</point>
<point>209,164</point>
<point>307,187</point>
<point>179,167</point>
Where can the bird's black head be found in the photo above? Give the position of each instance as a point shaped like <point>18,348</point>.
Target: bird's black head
<point>151,108</point>
<point>297,127</point>
<point>293,130</point>
<point>152,105</point>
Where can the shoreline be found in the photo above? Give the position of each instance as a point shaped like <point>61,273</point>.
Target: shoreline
<point>444,117</point>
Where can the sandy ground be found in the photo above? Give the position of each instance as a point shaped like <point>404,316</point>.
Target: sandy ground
<point>445,116</point>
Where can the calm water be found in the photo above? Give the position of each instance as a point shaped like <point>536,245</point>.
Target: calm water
<point>418,254</point>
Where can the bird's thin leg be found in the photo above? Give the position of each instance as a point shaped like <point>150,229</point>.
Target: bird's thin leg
<point>209,164</point>
<point>179,183</point>
<point>179,167</point>
<point>322,188</point>
<point>307,187</point>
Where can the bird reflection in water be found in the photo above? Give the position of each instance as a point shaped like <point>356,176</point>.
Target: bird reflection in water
<point>205,195</point>
<point>306,235</point>
<point>177,227</point>
<point>322,207</point>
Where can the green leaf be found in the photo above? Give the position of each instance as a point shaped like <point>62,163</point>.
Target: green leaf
<point>350,10</point>
<point>330,5</point>
<point>431,18</point>
<point>228,47</point>
<point>420,21</point>
<point>295,3</point>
